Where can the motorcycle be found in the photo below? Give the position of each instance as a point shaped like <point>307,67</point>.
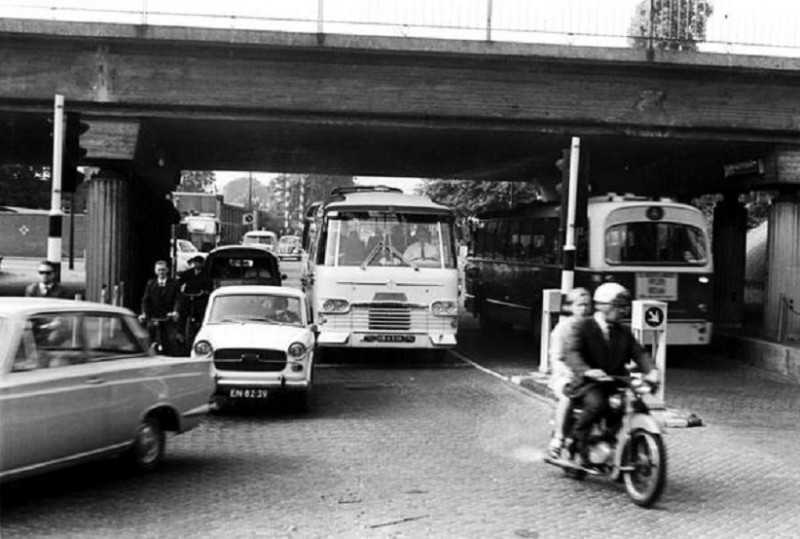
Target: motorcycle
<point>626,445</point>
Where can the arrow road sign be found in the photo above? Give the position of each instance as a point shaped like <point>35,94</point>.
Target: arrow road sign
<point>654,317</point>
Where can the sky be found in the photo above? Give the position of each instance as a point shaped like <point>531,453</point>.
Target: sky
<point>406,184</point>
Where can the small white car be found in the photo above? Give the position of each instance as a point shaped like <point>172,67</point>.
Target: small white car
<point>78,381</point>
<point>184,251</point>
<point>289,247</point>
<point>262,341</point>
<point>263,239</point>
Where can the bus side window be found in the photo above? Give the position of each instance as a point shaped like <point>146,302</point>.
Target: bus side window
<point>524,252</point>
<point>514,240</point>
<point>489,246</point>
<point>501,240</point>
<point>582,246</point>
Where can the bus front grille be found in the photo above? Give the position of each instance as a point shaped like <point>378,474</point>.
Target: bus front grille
<point>389,318</point>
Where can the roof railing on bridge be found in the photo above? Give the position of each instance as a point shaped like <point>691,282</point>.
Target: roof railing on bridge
<point>766,28</point>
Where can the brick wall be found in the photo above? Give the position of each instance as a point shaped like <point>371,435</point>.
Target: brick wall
<point>25,234</point>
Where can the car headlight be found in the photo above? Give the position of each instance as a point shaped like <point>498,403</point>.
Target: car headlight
<point>203,348</point>
<point>444,308</point>
<point>297,350</point>
<point>335,306</point>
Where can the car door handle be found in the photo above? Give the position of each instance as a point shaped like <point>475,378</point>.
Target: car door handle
<point>94,380</point>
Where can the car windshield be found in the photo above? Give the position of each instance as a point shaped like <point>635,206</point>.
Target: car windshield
<point>240,268</point>
<point>256,240</point>
<point>290,240</point>
<point>186,246</point>
<point>267,308</point>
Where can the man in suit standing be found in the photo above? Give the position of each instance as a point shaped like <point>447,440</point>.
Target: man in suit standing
<point>599,346</point>
<point>160,308</point>
<point>47,287</point>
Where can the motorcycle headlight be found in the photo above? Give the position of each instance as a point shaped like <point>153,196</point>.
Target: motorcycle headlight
<point>203,348</point>
<point>297,350</point>
<point>337,306</point>
<point>444,308</point>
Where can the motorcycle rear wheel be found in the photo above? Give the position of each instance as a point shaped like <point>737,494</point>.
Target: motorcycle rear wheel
<point>647,455</point>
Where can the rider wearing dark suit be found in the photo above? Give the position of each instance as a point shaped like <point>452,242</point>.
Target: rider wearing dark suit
<point>599,346</point>
<point>161,300</point>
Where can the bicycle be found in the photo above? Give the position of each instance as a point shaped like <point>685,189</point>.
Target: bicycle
<point>161,339</point>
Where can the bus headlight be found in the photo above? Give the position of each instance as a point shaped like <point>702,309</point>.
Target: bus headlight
<point>703,279</point>
<point>444,308</point>
<point>203,348</point>
<point>337,306</point>
<point>296,350</point>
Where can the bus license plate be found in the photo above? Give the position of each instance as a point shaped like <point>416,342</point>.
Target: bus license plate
<point>663,286</point>
<point>245,393</point>
<point>389,338</point>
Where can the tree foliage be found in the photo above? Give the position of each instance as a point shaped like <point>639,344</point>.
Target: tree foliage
<point>468,197</point>
<point>676,25</point>
<point>25,186</point>
<point>197,181</point>
<point>302,189</point>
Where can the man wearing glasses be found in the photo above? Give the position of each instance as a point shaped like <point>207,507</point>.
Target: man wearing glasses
<point>47,287</point>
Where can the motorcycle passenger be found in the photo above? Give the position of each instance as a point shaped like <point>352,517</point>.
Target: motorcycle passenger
<point>596,347</point>
<point>578,303</point>
<point>195,287</point>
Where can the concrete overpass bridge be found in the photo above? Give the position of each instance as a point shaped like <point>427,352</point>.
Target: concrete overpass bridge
<point>162,99</point>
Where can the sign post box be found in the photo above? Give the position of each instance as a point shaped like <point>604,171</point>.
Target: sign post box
<point>649,325</point>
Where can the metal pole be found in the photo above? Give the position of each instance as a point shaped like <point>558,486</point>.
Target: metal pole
<point>56,215</point>
<point>320,18</point>
<point>488,20</point>
<point>72,231</point>
<point>568,272</point>
<point>285,202</point>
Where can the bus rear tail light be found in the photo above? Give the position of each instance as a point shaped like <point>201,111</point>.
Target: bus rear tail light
<point>703,308</point>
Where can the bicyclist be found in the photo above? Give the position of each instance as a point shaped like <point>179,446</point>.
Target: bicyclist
<point>195,286</point>
<point>160,308</point>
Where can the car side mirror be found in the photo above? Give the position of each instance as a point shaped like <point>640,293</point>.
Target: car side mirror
<point>283,277</point>
<point>314,329</point>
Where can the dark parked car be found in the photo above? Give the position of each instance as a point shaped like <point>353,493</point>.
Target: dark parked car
<point>239,265</point>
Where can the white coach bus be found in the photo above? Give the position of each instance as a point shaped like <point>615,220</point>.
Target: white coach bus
<point>380,269</point>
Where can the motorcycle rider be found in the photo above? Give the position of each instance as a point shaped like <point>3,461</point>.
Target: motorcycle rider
<point>596,347</point>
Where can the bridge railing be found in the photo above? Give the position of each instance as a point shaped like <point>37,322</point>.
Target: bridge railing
<point>767,27</point>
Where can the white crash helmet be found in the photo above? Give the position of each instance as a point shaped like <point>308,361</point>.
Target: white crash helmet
<point>612,293</point>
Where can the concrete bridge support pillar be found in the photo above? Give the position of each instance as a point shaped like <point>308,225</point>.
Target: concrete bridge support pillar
<point>730,234</point>
<point>108,242</point>
<point>783,267</point>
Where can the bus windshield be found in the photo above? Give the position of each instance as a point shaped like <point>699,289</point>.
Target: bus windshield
<point>656,243</point>
<point>381,238</point>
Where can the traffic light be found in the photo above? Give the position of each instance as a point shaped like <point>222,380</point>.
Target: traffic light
<point>73,152</point>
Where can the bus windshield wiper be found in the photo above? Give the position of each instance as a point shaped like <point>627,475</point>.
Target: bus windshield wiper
<point>395,251</point>
<point>382,245</point>
<point>372,254</point>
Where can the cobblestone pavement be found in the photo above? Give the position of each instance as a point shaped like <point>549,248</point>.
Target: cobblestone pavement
<point>434,451</point>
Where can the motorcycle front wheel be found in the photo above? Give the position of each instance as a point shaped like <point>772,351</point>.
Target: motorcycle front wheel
<point>647,455</point>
